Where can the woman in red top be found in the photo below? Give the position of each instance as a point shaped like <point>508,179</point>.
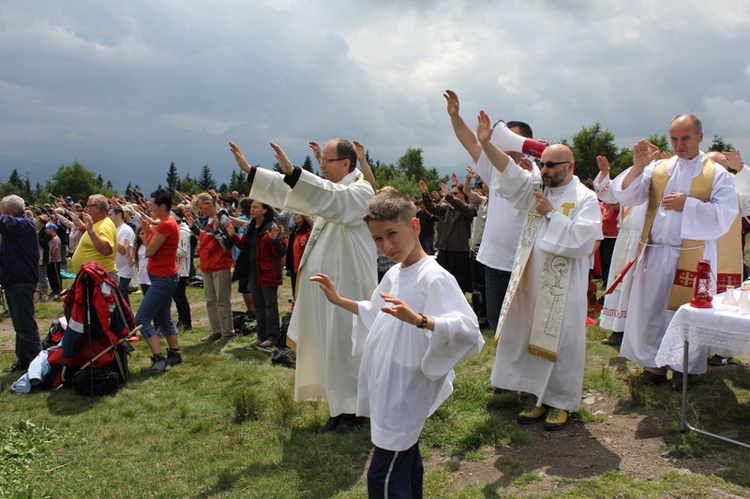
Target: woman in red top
<point>298,238</point>
<point>216,262</point>
<point>163,273</point>
<point>261,249</point>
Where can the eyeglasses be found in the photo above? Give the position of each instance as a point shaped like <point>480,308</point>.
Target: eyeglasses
<point>326,160</point>
<point>90,205</point>
<point>551,164</point>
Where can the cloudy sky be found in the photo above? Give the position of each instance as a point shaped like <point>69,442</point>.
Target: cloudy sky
<point>128,87</point>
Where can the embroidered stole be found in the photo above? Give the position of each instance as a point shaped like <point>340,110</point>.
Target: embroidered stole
<point>729,266</point>
<point>553,284</point>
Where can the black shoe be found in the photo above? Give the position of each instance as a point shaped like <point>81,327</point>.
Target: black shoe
<point>677,381</point>
<point>349,423</point>
<point>174,357</point>
<point>649,378</point>
<point>12,368</point>
<point>331,425</point>
<point>614,339</point>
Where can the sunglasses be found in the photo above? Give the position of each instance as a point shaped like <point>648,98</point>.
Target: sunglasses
<point>551,164</point>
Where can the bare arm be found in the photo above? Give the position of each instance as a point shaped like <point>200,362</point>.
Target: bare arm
<point>460,128</point>
<point>366,170</point>
<point>326,284</point>
<point>484,131</point>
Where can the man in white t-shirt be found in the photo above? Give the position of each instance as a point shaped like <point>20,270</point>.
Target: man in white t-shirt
<point>125,240</point>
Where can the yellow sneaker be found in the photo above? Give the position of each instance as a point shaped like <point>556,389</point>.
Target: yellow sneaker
<point>532,416</point>
<point>556,419</point>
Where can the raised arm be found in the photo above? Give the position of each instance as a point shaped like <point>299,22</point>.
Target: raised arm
<point>484,131</point>
<point>644,152</point>
<point>460,128</point>
<point>366,170</point>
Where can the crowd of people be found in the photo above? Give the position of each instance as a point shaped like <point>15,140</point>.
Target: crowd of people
<point>379,322</point>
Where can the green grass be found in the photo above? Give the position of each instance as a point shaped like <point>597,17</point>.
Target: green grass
<point>224,424</point>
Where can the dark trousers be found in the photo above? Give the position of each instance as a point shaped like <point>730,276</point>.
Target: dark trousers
<point>124,287</point>
<point>395,474</point>
<point>478,293</point>
<point>495,286</point>
<point>606,248</point>
<point>181,303</point>
<point>20,298</point>
<point>53,276</point>
<point>266,305</point>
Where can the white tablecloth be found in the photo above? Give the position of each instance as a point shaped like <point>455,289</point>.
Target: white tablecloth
<point>724,329</point>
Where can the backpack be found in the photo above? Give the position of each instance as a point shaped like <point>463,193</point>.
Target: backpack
<point>243,325</point>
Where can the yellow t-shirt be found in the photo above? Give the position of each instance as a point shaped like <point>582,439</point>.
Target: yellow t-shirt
<point>87,252</point>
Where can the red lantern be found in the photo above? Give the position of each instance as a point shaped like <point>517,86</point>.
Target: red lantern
<point>702,285</point>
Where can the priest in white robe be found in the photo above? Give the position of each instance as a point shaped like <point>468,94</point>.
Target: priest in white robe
<point>677,216</point>
<point>340,246</point>
<point>541,337</point>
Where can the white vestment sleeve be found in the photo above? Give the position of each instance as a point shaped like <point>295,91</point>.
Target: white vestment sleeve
<point>711,220</point>
<point>637,191</point>
<point>742,185</point>
<point>269,188</point>
<point>456,335</point>
<point>603,189</point>
<point>337,203</point>
<point>574,237</point>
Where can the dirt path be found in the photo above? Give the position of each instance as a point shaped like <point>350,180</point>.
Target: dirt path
<point>627,441</point>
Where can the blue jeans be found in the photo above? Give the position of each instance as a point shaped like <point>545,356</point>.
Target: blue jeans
<point>20,298</point>
<point>428,244</point>
<point>495,286</point>
<point>157,303</point>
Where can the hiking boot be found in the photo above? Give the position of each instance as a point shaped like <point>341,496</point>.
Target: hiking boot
<point>331,425</point>
<point>649,378</point>
<point>158,364</point>
<point>556,419</point>
<point>614,339</point>
<point>211,337</point>
<point>532,416</point>
<point>174,357</point>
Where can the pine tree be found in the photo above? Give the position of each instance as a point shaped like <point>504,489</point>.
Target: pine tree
<point>206,179</point>
<point>173,179</point>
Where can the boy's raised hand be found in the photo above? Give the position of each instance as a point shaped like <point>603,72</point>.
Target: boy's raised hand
<point>326,284</point>
<point>400,310</point>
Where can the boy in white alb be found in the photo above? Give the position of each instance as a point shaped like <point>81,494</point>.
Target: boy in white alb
<point>407,357</point>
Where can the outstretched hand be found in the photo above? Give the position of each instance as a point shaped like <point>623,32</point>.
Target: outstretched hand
<point>326,284</point>
<point>484,127</point>
<point>644,152</point>
<point>423,186</point>
<point>734,159</point>
<point>284,164</point>
<point>316,150</point>
<point>452,102</point>
<point>400,310</point>
<point>239,157</point>
<point>603,163</point>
